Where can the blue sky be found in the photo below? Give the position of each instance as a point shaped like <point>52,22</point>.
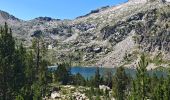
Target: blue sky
<point>61,9</point>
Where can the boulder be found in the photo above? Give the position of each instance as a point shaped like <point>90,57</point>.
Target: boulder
<point>55,95</point>
<point>97,50</point>
<point>50,47</point>
<point>88,57</point>
<point>103,87</point>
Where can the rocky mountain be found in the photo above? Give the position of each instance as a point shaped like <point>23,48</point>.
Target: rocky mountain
<point>109,36</point>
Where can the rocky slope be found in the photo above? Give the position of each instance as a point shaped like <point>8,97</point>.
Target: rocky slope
<point>109,36</point>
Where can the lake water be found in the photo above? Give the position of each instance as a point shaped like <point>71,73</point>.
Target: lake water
<point>88,72</point>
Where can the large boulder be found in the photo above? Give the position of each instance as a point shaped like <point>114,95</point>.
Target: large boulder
<point>55,95</point>
<point>97,50</point>
<point>103,87</point>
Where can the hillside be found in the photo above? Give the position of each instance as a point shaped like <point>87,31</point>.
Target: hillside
<point>109,36</point>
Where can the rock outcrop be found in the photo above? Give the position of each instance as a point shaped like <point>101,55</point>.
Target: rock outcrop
<point>138,1</point>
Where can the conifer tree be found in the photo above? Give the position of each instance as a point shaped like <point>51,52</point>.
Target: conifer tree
<point>19,69</point>
<point>63,74</point>
<point>39,51</point>
<point>141,82</point>
<point>97,78</point>
<point>7,50</point>
<point>159,90</point>
<point>167,87</point>
<point>120,83</point>
<point>133,95</point>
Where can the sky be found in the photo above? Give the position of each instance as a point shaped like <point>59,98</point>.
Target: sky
<point>59,9</point>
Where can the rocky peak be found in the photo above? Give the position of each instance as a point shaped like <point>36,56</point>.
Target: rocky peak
<point>5,16</point>
<point>95,11</point>
<point>45,19</point>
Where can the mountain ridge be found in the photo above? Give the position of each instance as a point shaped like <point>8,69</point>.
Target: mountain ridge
<point>91,12</point>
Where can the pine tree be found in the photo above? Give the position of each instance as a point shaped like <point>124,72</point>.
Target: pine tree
<point>63,74</point>
<point>29,76</point>
<point>108,78</point>
<point>159,90</point>
<point>7,50</point>
<point>43,76</point>
<point>120,83</point>
<point>167,87</point>
<point>19,69</point>
<point>39,51</point>
<point>97,78</point>
<point>141,82</point>
<point>133,95</point>
<point>78,79</point>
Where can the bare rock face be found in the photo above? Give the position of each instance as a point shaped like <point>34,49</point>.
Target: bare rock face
<point>7,16</point>
<point>138,1</point>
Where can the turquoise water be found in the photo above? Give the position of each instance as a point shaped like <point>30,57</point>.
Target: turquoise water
<point>88,72</point>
